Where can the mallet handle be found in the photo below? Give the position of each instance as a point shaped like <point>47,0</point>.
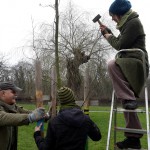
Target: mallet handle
<point>99,22</point>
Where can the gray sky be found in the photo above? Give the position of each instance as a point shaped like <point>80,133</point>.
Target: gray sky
<point>15,15</point>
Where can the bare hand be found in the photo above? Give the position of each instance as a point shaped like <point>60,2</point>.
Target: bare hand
<point>107,35</point>
<point>106,32</point>
<point>37,128</point>
<point>102,27</point>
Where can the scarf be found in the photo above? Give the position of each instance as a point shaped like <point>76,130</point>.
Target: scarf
<point>124,19</point>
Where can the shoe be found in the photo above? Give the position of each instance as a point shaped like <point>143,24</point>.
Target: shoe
<point>130,142</point>
<point>130,104</point>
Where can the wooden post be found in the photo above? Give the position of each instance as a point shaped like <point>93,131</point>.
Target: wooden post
<point>86,97</point>
<point>39,93</point>
<point>53,92</point>
<point>86,92</point>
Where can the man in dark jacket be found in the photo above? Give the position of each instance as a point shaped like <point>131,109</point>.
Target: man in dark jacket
<point>70,128</point>
<point>126,72</point>
<point>12,116</point>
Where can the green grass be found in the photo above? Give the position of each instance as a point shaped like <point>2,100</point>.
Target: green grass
<point>26,141</point>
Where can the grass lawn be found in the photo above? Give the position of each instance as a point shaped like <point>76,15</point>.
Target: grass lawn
<point>26,141</point>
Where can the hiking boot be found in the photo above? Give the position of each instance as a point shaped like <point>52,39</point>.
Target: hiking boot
<point>130,104</point>
<point>130,142</point>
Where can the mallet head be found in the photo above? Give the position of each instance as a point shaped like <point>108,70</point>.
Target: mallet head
<point>96,19</point>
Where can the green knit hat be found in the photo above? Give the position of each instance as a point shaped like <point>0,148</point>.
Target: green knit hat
<point>66,96</point>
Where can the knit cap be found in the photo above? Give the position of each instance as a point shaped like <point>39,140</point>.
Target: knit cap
<point>66,96</point>
<point>120,7</point>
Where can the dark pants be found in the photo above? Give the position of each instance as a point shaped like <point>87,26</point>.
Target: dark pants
<point>123,92</point>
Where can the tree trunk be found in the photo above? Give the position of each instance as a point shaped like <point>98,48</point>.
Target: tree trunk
<point>56,45</point>
<point>73,73</point>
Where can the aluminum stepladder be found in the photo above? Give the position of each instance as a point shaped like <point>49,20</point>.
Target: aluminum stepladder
<point>114,109</point>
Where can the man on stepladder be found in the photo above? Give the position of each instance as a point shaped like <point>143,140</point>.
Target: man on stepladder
<point>124,69</point>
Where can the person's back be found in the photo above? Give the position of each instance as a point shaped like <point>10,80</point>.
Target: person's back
<point>70,128</point>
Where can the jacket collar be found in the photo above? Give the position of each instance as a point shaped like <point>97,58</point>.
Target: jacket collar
<point>9,108</point>
<point>124,19</point>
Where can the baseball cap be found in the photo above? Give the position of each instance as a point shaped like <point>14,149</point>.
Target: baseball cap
<point>9,85</point>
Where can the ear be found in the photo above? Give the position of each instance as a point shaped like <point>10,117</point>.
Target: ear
<point>2,92</point>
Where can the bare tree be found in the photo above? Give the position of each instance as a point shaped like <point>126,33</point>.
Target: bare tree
<point>4,69</point>
<point>23,75</point>
<point>79,42</point>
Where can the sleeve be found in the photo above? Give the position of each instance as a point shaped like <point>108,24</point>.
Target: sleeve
<point>130,32</point>
<point>13,119</point>
<point>46,143</point>
<point>94,131</point>
<point>40,142</point>
<point>20,109</point>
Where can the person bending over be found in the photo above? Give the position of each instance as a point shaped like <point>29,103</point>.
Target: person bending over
<point>70,128</point>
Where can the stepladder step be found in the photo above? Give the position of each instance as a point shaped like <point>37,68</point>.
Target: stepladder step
<point>140,131</point>
<point>116,148</point>
<point>119,110</point>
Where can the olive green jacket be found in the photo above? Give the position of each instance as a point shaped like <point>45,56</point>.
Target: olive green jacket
<point>11,116</point>
<point>131,36</point>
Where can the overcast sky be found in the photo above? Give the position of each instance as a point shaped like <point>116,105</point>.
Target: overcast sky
<point>15,20</point>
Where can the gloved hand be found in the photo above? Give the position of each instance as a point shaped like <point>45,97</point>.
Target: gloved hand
<point>37,114</point>
<point>47,117</point>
